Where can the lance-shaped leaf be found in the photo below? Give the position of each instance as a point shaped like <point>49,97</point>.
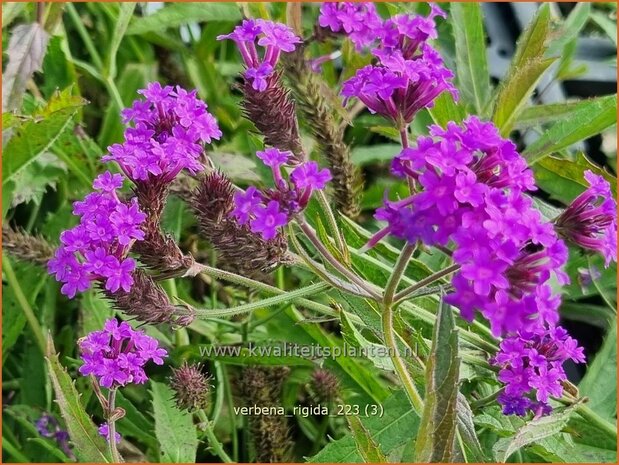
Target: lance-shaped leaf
<point>471,60</point>
<point>437,432</point>
<point>89,446</point>
<point>525,71</point>
<point>26,50</point>
<point>533,431</point>
<point>583,124</point>
<point>554,112</point>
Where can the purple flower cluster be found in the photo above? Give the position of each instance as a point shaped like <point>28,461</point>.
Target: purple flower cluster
<point>96,249</point>
<point>409,74</point>
<point>48,427</point>
<point>117,354</point>
<point>273,37</point>
<point>104,430</point>
<point>169,128</point>
<point>590,221</point>
<point>473,198</point>
<point>532,362</point>
<point>473,184</point>
<point>266,212</point>
<point>359,21</point>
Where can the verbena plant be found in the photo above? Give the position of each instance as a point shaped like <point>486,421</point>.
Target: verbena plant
<point>265,316</point>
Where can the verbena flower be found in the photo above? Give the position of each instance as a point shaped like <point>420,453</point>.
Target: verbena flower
<point>359,21</point>
<point>532,368</point>
<point>117,354</point>
<point>398,87</point>
<point>167,134</point>
<point>96,249</point>
<point>268,211</point>
<point>590,221</point>
<point>104,431</point>
<point>472,195</point>
<point>274,38</point>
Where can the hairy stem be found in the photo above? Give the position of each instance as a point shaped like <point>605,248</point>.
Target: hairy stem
<point>205,425</point>
<point>398,271</point>
<point>111,424</point>
<point>425,282</point>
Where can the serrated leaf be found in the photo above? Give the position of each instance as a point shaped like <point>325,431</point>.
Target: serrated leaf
<point>467,437</point>
<point>534,431</point>
<point>533,42</point>
<point>35,137</point>
<point>391,431</point>
<point>26,50</point>
<point>175,431</point>
<point>516,91</point>
<point>89,446</point>
<point>373,350</point>
<point>177,14</point>
<point>437,432</point>
<point>582,124</point>
<point>366,445</point>
<point>32,182</point>
<point>471,59</point>
<point>600,382</point>
<point>565,179</point>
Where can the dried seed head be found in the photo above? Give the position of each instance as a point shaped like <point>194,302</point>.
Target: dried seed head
<point>147,302</point>
<point>191,387</point>
<point>273,113</point>
<point>158,251</point>
<point>318,112</point>
<point>262,386</point>
<point>238,248</point>
<point>324,385</point>
<point>26,246</point>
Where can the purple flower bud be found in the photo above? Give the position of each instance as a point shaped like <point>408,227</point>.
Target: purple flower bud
<point>104,430</point>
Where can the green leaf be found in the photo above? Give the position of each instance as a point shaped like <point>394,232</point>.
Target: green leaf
<point>177,14</point>
<point>471,60</point>
<point>582,124</point>
<point>445,109</point>
<point>174,429</point>
<point>391,431</point>
<point>515,92</point>
<point>437,432</point>
<point>35,137</point>
<point>571,27</point>
<point>606,24</point>
<point>564,179</point>
<point>236,166</point>
<point>366,445</point>
<point>533,42</point>
<point>600,382</point>
<point>355,339</point>
<point>369,154</point>
<point>532,432</point>
<point>89,446</point>
<point>467,437</point>
<point>25,52</point>
<point>544,114</point>
<point>134,423</point>
<point>120,28</point>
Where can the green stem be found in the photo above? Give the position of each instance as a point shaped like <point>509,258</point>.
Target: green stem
<point>111,424</point>
<point>335,231</point>
<point>13,283</point>
<point>232,418</point>
<point>398,271</point>
<point>286,297</point>
<point>324,252</point>
<point>398,361</point>
<point>83,33</point>
<point>486,400</point>
<point>588,414</point>
<point>425,282</point>
<point>212,439</point>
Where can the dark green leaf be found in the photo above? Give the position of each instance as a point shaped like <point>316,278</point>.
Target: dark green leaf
<point>437,431</point>
<point>176,14</point>
<point>565,179</point>
<point>89,446</point>
<point>174,429</point>
<point>600,381</point>
<point>471,60</point>
<point>366,444</point>
<point>582,124</point>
